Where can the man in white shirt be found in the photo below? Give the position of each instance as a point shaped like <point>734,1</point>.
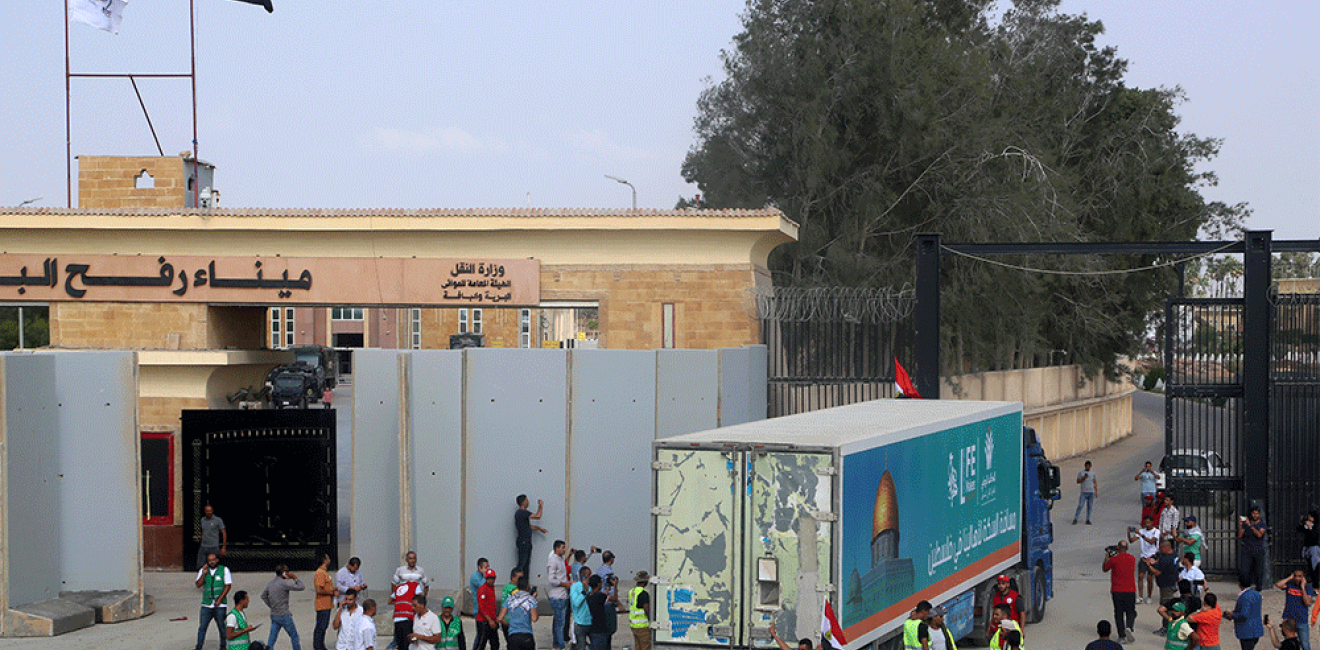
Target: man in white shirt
<point>346,621</point>
<point>367,626</point>
<point>1192,573</point>
<point>426,627</point>
<point>1150,545</point>
<point>557,573</point>
<point>348,577</point>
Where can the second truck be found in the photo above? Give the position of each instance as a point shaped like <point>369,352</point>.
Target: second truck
<point>873,507</point>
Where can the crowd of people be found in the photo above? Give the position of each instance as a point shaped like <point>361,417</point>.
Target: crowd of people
<point>586,602</point>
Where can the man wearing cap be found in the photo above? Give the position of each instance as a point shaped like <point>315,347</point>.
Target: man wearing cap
<point>916,635</point>
<point>1190,537</point>
<point>1177,627</point>
<point>451,628</point>
<point>426,626</point>
<point>938,636</point>
<point>488,625</point>
<point>639,612</point>
<point>1005,594</point>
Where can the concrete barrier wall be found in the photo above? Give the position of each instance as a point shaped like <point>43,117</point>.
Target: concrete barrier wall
<point>1072,413</point>
<point>31,499</point>
<point>479,427</point>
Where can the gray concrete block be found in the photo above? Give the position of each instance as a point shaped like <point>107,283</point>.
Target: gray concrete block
<point>48,618</point>
<point>112,606</point>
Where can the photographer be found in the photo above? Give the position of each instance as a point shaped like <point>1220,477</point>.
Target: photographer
<point>1310,545</point>
<point>1122,569</point>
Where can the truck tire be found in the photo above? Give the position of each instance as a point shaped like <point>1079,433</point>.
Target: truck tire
<point>1037,612</point>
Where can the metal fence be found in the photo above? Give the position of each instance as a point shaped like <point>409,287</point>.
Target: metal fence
<point>1294,421</point>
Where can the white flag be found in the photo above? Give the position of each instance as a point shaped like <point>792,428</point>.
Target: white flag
<point>101,14</point>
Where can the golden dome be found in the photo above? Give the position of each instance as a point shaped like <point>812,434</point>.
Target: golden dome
<point>886,506</point>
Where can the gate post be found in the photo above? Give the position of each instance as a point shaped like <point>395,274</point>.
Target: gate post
<point>926,375</point>
<point>1256,316</point>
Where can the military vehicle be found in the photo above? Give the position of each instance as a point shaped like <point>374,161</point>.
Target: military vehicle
<point>305,380</point>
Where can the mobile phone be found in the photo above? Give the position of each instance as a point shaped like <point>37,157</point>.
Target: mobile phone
<point>1267,619</point>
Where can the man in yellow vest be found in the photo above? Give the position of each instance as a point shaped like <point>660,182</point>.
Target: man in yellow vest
<point>914,637</point>
<point>639,612</point>
<point>236,624</point>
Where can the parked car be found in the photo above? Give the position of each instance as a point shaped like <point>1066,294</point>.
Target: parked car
<point>1186,466</point>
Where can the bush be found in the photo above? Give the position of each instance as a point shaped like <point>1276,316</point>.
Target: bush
<point>1152,378</point>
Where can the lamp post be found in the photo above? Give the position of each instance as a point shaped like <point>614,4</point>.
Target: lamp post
<point>634,189</point>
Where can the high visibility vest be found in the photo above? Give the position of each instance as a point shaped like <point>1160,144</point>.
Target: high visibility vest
<point>948,638</point>
<point>449,634</point>
<point>996,643</point>
<point>239,642</point>
<point>910,640</point>
<point>213,584</point>
<point>1171,640</point>
<point>636,615</point>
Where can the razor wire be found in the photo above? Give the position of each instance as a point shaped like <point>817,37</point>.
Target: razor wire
<point>830,304</point>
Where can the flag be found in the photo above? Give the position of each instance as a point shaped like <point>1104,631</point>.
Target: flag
<point>902,383</point>
<point>101,14</point>
<point>830,632</point>
<point>263,3</point>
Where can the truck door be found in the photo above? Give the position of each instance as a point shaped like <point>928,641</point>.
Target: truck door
<point>790,533</point>
<point>698,521</point>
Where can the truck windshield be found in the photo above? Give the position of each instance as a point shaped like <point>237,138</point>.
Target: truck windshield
<point>310,358</point>
<point>289,382</point>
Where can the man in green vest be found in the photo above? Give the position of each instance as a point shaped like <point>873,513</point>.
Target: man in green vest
<point>215,582</point>
<point>913,638</point>
<point>639,612</point>
<point>1176,636</point>
<point>451,628</point>
<point>236,624</point>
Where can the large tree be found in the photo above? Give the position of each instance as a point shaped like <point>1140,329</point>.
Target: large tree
<point>869,121</point>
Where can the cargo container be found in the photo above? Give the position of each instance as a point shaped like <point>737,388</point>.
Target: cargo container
<point>874,506</point>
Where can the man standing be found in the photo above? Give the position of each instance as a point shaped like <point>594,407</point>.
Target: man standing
<point>557,573</point>
<point>504,596</point>
<point>345,621</point>
<point>523,527</point>
<point>1206,622</point>
<point>276,597</point>
<point>1165,567</point>
<point>426,627</point>
<point>1170,519</point>
<point>236,624</point>
<point>408,581</point>
<point>639,612</point>
<point>348,577</point>
<point>215,582</point>
<point>1122,569</point>
<point>1296,602</point>
<point>937,634</point>
<point>577,595</point>
<point>366,630</point>
<point>1191,537</point>
<point>1090,488</point>
<point>1148,478</point>
<point>487,615</point>
<point>596,606</point>
<point>1192,574</point>
<point>324,585</point>
<point>1251,530</point>
<point>214,537</point>
<point>477,579</point>
<point>1102,630</point>
<point>451,628</point>
<point>1246,614</point>
<point>1150,543</point>
<point>610,585</point>
<point>519,611</point>
<point>1177,628</point>
<point>913,626</point>
<point>1005,594</point>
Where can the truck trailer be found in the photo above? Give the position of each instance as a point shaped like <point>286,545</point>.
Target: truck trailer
<point>873,507</point>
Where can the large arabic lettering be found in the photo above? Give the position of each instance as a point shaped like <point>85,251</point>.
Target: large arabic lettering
<point>353,280</point>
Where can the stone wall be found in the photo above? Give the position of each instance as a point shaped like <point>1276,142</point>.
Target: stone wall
<point>110,182</point>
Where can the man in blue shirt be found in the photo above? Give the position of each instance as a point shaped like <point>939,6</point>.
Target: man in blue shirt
<point>1102,630</point>
<point>1297,602</point>
<point>1247,626</point>
<point>577,596</point>
<point>478,578</point>
<point>1147,477</point>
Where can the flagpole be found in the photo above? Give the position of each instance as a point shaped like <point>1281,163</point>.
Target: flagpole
<point>68,132</point>
<point>192,48</point>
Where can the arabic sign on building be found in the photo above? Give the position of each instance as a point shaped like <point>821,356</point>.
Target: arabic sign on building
<point>264,280</point>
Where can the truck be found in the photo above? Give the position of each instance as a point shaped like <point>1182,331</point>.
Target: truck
<point>872,507</point>
<point>305,380</point>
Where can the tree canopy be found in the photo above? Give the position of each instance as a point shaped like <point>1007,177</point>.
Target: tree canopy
<point>869,121</point>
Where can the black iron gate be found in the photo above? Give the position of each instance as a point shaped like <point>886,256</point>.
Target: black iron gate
<point>270,475</point>
<point>1294,421</point>
<point>832,346</point>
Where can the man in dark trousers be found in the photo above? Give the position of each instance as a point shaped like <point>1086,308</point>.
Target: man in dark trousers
<point>1122,569</point>
<point>523,527</point>
<point>1246,614</point>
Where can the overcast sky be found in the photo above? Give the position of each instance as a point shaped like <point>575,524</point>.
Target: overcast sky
<point>416,104</point>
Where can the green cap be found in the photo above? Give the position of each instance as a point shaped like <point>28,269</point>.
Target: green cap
<point>447,601</point>
<point>1180,606</point>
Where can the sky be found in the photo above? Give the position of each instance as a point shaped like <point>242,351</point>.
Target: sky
<point>410,104</point>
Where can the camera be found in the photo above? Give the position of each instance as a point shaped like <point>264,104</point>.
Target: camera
<point>1111,551</point>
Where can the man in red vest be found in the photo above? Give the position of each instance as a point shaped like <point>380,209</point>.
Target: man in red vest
<point>1005,594</point>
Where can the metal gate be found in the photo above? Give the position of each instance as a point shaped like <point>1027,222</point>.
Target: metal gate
<point>832,346</point>
<point>1294,421</point>
<point>270,475</point>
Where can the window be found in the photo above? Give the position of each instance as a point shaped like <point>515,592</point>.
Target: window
<point>157,478</point>
<point>416,329</point>
<point>465,325</point>
<point>524,328</point>
<point>346,313</point>
<point>476,321</point>
<point>463,321</point>
<point>667,325</point>
<point>281,328</point>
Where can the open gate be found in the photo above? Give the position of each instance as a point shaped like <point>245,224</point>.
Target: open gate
<point>270,474</point>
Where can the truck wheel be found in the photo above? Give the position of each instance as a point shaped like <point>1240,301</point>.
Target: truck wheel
<point>1037,613</point>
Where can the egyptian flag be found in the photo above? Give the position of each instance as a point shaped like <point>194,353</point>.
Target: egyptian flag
<point>831,635</point>
<point>262,3</point>
<point>903,387</point>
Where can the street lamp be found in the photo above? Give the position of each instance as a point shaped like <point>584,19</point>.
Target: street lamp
<point>634,189</point>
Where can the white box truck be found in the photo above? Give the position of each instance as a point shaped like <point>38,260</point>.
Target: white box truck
<point>874,506</point>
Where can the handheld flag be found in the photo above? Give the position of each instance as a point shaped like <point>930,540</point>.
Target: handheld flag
<point>101,14</point>
<point>830,632</point>
<point>903,383</point>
